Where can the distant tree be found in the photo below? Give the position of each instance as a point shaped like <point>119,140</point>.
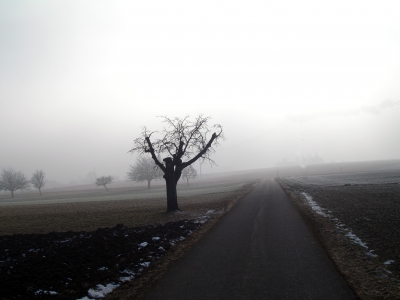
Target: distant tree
<point>104,180</point>
<point>12,180</point>
<point>180,139</point>
<point>144,169</point>
<point>189,172</point>
<point>37,180</point>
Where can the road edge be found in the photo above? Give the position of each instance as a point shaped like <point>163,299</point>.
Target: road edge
<point>138,288</point>
<point>348,259</point>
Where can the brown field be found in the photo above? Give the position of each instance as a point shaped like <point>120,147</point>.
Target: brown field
<point>78,216</point>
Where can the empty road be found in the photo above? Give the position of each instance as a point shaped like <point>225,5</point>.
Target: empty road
<point>261,249</point>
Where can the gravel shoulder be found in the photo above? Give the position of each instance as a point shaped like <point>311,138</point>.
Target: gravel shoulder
<point>359,226</point>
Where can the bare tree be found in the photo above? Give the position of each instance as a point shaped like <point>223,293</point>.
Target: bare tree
<point>37,180</point>
<point>104,180</point>
<point>188,173</point>
<point>180,139</point>
<point>144,169</point>
<point>12,180</point>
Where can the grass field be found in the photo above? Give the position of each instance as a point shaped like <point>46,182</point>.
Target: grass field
<point>92,209</point>
<point>120,193</point>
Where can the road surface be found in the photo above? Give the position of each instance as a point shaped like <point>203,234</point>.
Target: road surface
<point>261,249</point>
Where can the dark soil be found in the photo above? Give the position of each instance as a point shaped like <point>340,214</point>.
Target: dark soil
<point>67,265</point>
<point>372,213</point>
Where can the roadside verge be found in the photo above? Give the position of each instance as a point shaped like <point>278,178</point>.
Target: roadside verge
<point>363,271</point>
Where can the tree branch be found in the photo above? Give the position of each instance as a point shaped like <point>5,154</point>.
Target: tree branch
<point>153,155</point>
<point>200,154</point>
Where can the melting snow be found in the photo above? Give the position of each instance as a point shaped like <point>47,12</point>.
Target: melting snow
<point>144,244</point>
<point>156,238</point>
<point>101,290</point>
<point>65,241</point>
<point>388,262</point>
<point>318,209</point>
<point>52,293</point>
<point>369,253</point>
<point>326,213</point>
<point>356,239</point>
<point>145,264</point>
<point>126,278</point>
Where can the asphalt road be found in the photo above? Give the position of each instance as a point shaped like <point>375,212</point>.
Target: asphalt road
<point>262,249</point>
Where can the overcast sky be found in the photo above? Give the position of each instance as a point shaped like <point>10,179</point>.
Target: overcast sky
<point>286,79</point>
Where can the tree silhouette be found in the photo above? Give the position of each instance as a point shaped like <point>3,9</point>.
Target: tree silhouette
<point>104,180</point>
<point>144,169</point>
<point>37,180</point>
<point>188,173</point>
<point>12,180</point>
<point>180,139</point>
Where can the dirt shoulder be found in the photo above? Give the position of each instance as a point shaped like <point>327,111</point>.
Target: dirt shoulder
<point>358,227</point>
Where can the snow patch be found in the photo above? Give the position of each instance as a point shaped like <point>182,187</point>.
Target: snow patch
<point>355,239</point>
<point>145,264</point>
<point>314,206</point>
<point>156,238</point>
<point>144,244</point>
<point>348,233</point>
<point>126,278</point>
<point>65,241</point>
<point>52,293</point>
<point>388,262</point>
<point>369,253</point>
<point>101,291</point>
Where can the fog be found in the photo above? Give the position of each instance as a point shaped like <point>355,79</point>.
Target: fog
<point>291,82</point>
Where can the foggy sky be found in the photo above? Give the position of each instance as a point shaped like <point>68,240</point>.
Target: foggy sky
<point>286,79</point>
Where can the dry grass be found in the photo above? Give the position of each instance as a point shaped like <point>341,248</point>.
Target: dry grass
<point>89,216</point>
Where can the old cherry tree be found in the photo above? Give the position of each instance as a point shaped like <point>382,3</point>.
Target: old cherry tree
<point>184,141</point>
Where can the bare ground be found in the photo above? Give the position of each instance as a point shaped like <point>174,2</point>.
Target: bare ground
<point>372,213</point>
<point>63,251</point>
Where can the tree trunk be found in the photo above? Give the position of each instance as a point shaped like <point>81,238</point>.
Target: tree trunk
<point>106,188</point>
<point>187,181</point>
<point>40,192</point>
<point>12,194</point>
<point>148,184</point>
<point>170,181</point>
<point>172,196</point>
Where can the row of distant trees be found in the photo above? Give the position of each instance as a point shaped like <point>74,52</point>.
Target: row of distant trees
<point>145,169</point>
<point>12,181</point>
